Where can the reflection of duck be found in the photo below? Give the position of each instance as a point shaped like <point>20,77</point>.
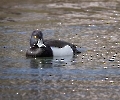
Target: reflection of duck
<point>49,48</point>
<point>49,62</point>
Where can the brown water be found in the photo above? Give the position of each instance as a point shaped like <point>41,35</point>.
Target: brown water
<point>93,25</point>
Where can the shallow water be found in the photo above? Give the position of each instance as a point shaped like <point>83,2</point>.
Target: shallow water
<point>92,25</point>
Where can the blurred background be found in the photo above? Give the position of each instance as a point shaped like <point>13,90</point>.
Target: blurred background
<point>93,25</point>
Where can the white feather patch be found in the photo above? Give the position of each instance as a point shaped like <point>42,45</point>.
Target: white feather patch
<point>40,43</point>
<point>64,51</point>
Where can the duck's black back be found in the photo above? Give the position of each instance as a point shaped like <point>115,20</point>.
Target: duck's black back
<point>60,44</point>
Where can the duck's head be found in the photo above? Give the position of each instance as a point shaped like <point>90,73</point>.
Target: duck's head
<point>36,39</point>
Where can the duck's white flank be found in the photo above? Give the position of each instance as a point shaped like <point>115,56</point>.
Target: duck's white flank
<point>65,51</point>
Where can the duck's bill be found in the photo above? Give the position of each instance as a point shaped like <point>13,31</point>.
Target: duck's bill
<point>40,43</point>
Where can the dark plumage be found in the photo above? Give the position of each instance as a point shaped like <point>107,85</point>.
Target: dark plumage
<point>44,48</point>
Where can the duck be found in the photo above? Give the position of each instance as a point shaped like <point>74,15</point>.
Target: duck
<point>39,47</point>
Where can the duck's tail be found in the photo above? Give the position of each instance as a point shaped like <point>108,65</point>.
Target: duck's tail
<point>80,49</point>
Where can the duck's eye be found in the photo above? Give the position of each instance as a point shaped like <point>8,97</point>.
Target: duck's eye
<point>35,37</point>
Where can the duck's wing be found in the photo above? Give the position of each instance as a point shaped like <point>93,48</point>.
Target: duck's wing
<point>57,43</point>
<point>60,44</point>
